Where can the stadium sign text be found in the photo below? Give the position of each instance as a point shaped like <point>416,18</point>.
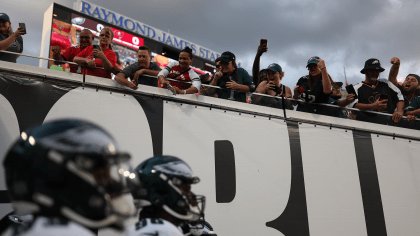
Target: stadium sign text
<point>143,29</point>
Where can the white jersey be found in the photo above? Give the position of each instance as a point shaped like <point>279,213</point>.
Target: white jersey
<point>153,227</point>
<point>48,226</point>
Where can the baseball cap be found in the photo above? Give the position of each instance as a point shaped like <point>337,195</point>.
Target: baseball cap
<point>312,60</point>
<point>5,17</point>
<point>227,57</point>
<point>372,64</point>
<point>274,67</point>
<point>339,84</point>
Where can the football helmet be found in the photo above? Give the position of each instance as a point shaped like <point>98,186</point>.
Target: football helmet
<point>166,184</point>
<point>70,168</point>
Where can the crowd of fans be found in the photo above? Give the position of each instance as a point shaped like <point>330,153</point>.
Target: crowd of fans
<point>229,81</point>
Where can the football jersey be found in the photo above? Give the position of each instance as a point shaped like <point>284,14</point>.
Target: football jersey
<point>49,226</point>
<point>109,54</point>
<point>153,227</point>
<point>69,54</point>
<point>368,94</point>
<point>173,70</point>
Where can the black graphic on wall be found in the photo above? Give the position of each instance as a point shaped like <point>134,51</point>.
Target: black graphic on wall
<point>30,99</point>
<point>224,160</point>
<point>153,108</point>
<point>369,184</point>
<point>294,219</point>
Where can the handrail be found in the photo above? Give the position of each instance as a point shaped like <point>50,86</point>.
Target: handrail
<point>216,87</point>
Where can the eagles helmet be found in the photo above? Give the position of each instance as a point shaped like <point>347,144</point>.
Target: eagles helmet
<point>70,168</point>
<point>166,184</point>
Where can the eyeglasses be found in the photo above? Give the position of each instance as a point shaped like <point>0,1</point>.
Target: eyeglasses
<point>105,35</point>
<point>84,37</point>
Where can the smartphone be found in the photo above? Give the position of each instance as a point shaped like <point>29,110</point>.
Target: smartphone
<point>263,41</point>
<point>383,97</point>
<point>22,26</point>
<point>96,47</point>
<point>350,90</point>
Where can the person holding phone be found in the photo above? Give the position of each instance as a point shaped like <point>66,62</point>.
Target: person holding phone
<point>374,94</point>
<point>259,75</point>
<point>68,54</point>
<point>98,56</point>
<point>231,77</point>
<point>9,40</point>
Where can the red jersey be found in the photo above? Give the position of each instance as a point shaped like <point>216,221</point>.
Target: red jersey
<point>172,70</point>
<point>69,54</point>
<point>109,54</point>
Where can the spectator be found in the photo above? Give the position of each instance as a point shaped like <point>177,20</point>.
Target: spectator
<point>9,40</point>
<point>317,83</point>
<point>378,94</point>
<point>144,65</point>
<point>102,57</point>
<point>413,109</point>
<point>230,77</point>
<point>85,39</point>
<point>410,86</point>
<point>205,79</point>
<point>181,70</point>
<point>273,86</point>
<point>336,96</point>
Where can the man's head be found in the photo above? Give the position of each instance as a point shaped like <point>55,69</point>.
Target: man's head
<point>312,65</point>
<point>166,188</point>
<point>49,163</point>
<point>227,62</point>
<point>411,84</point>
<point>144,57</point>
<point>86,38</point>
<point>4,23</point>
<point>372,69</point>
<point>336,90</point>
<point>274,73</point>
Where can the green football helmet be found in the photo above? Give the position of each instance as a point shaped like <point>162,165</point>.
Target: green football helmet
<point>166,184</point>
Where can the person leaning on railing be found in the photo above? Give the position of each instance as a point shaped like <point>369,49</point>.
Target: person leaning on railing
<point>181,70</point>
<point>68,54</point>
<point>376,94</point>
<point>230,77</point>
<point>104,57</point>
<point>410,86</point>
<point>9,40</point>
<point>318,82</point>
<point>144,65</point>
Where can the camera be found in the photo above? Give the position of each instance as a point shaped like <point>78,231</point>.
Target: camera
<point>224,79</point>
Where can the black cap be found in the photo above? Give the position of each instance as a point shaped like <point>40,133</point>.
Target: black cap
<point>227,57</point>
<point>339,84</point>
<point>372,64</point>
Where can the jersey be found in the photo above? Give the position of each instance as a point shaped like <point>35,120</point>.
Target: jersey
<point>49,226</point>
<point>69,54</point>
<point>174,69</point>
<point>153,227</point>
<point>109,54</point>
<point>368,94</point>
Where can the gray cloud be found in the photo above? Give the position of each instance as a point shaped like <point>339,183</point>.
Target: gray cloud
<point>343,33</point>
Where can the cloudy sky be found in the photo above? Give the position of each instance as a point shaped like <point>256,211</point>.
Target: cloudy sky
<point>343,33</point>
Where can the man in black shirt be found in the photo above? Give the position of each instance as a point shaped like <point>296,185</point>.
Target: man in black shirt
<point>144,65</point>
<point>378,94</point>
<point>317,83</point>
<point>410,87</point>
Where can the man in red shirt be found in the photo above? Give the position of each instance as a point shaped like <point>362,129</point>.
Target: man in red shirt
<point>99,60</point>
<point>86,39</point>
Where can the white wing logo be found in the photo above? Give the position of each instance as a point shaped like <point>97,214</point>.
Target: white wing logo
<point>375,62</point>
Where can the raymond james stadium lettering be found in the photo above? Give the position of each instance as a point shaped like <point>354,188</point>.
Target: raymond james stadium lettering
<point>145,30</point>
